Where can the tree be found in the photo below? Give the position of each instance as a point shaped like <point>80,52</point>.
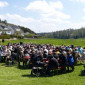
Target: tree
<point>5,21</point>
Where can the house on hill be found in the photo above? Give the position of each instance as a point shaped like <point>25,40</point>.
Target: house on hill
<point>9,29</point>
<point>14,29</point>
<point>4,29</point>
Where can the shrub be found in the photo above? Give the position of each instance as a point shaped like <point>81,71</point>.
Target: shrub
<point>4,36</point>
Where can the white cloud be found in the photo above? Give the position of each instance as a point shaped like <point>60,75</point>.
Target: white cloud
<point>3,4</point>
<point>56,15</point>
<point>19,20</point>
<point>2,17</point>
<point>82,1</point>
<point>84,9</point>
<point>50,16</point>
<point>48,10</point>
<point>43,6</point>
<point>18,17</point>
<point>41,25</point>
<point>83,17</point>
<point>57,5</point>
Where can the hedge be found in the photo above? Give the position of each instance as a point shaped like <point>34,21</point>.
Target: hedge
<point>4,36</point>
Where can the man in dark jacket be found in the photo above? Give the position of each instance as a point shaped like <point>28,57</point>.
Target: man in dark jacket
<point>63,62</point>
<point>53,63</point>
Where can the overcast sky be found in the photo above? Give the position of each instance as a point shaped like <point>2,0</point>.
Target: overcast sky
<point>44,15</point>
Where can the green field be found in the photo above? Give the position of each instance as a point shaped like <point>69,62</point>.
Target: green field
<point>76,42</point>
<point>21,76</point>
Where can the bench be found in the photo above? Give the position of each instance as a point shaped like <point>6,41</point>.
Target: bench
<point>56,70</point>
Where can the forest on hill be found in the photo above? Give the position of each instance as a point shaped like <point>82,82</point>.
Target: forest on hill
<point>66,34</point>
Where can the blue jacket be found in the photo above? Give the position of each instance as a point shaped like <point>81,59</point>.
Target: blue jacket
<point>70,60</point>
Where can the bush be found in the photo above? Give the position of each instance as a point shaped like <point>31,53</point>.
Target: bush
<point>20,37</point>
<point>29,35</point>
<point>15,36</point>
<point>4,36</point>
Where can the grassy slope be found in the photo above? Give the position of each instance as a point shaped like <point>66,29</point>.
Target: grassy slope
<point>16,76</point>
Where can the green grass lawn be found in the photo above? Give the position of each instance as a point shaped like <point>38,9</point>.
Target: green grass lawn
<point>16,76</point>
<point>76,42</point>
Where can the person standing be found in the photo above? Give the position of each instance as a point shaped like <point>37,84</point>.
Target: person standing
<point>70,61</point>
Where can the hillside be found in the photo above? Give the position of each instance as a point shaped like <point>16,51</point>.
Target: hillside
<point>66,34</point>
<point>8,28</point>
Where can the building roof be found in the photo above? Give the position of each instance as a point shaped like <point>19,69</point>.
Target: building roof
<point>3,27</point>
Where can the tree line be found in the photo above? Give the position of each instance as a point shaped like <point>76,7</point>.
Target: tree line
<point>66,34</point>
<point>3,21</point>
<point>24,29</point>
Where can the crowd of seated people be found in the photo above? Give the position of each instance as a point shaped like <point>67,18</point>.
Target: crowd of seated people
<point>43,55</point>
